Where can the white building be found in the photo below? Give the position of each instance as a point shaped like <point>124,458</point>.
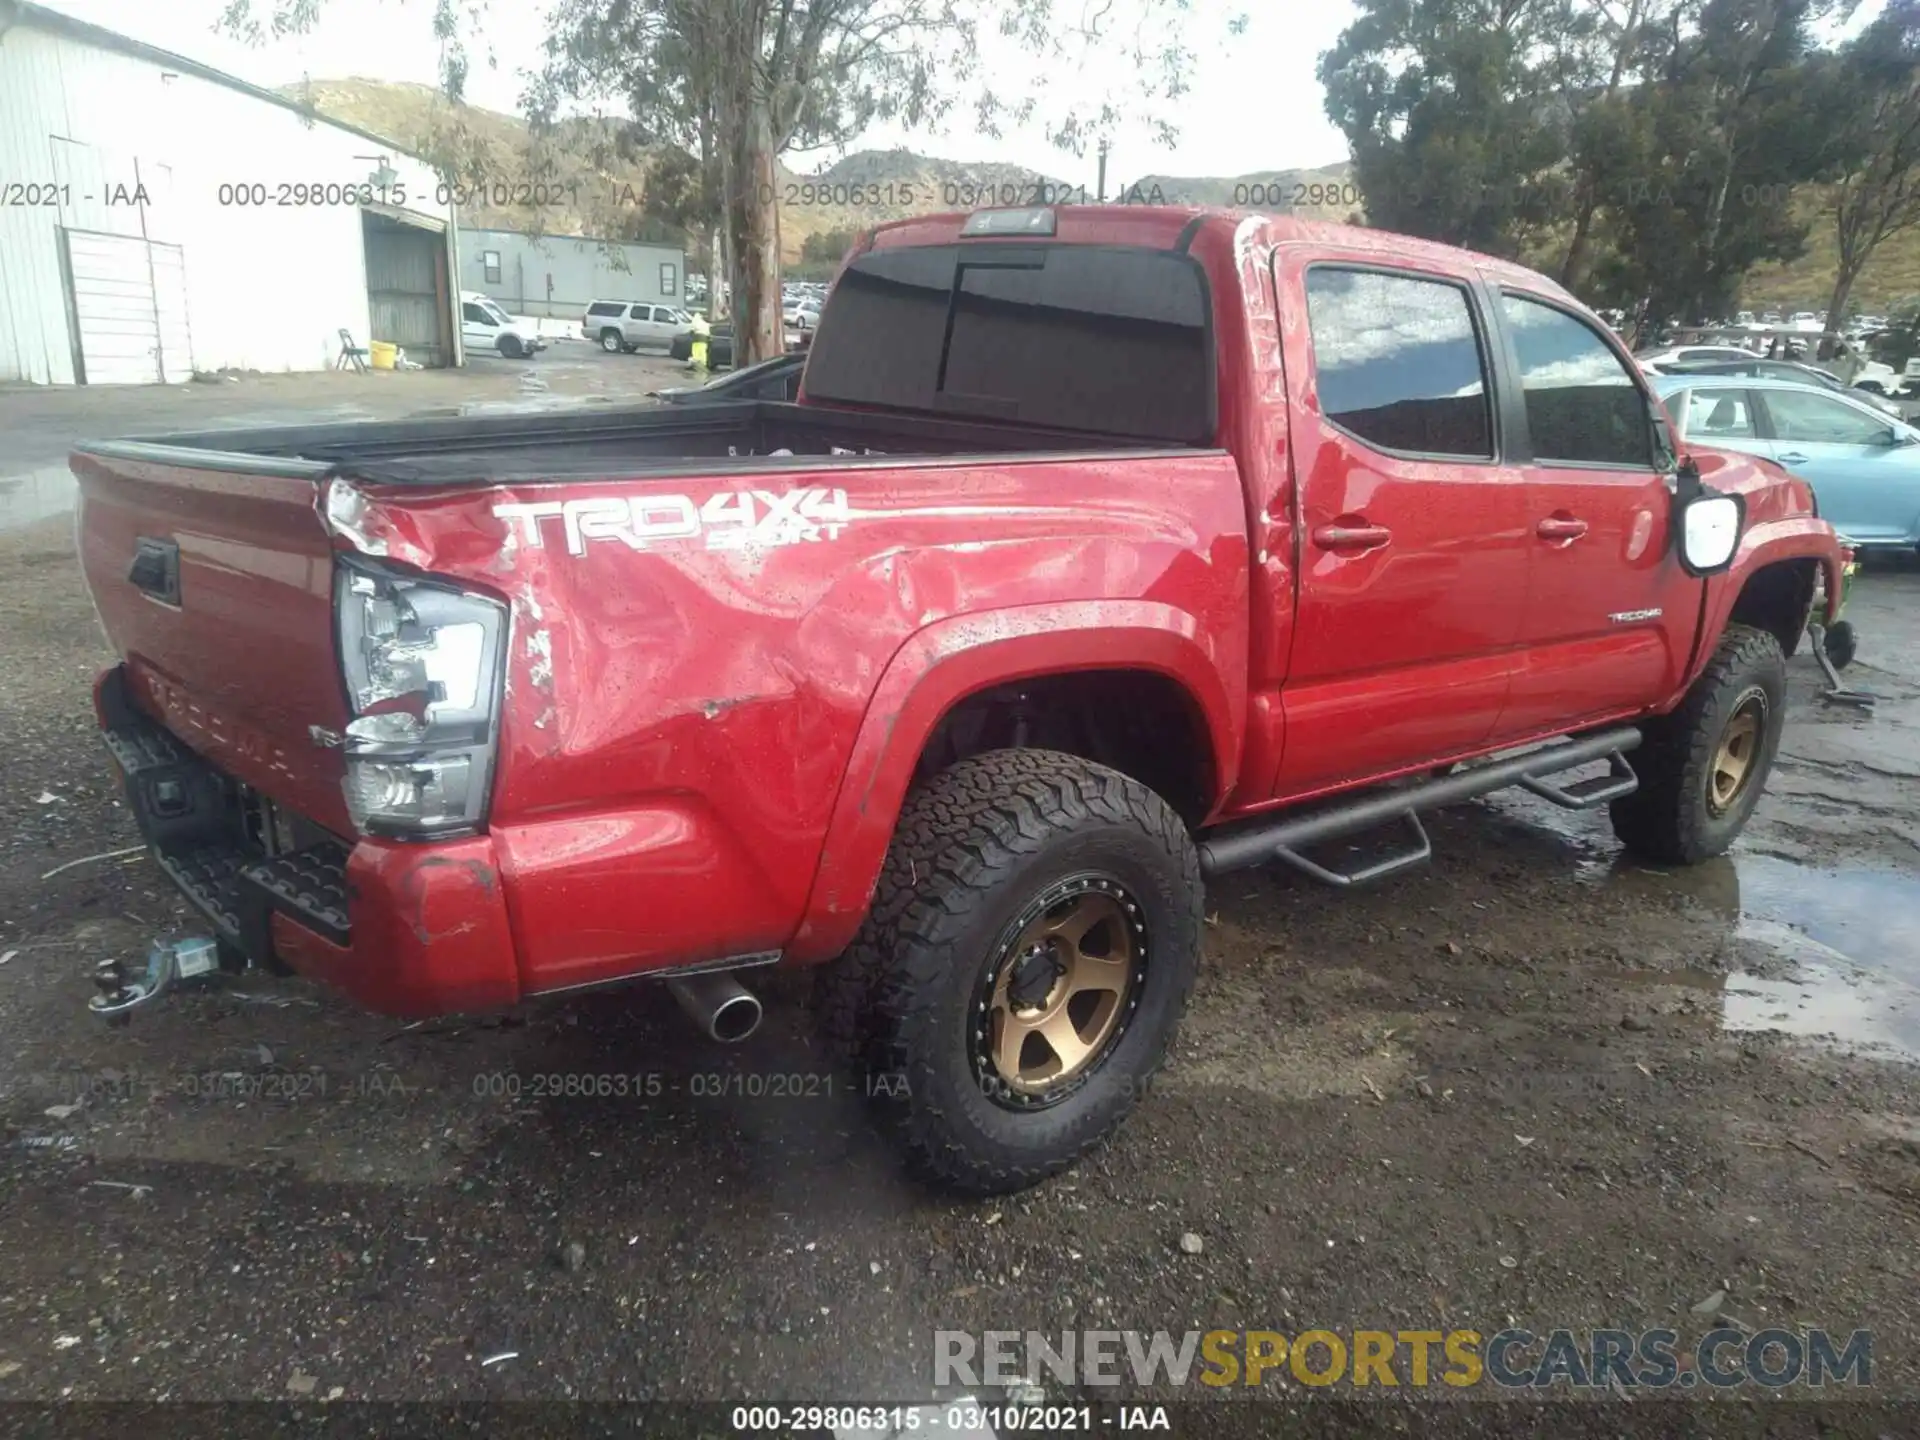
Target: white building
<point>561,275</point>
<point>158,217</point>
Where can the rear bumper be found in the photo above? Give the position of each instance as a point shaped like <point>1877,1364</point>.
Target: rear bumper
<point>405,929</point>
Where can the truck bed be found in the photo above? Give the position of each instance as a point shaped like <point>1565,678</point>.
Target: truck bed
<point>641,440</point>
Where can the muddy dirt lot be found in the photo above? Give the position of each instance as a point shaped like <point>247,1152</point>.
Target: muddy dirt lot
<point>1537,1084</point>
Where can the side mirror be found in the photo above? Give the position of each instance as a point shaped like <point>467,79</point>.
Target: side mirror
<point>1709,530</point>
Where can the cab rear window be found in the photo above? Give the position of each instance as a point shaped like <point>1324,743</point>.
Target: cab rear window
<point>1114,340</point>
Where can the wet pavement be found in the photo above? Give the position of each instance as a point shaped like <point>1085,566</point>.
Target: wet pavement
<point>42,424</point>
<point>1537,1083</point>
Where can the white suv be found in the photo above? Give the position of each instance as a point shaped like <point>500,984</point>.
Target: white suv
<point>622,326</point>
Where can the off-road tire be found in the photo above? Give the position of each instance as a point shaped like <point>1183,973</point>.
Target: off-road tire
<point>1669,818</point>
<point>974,845</point>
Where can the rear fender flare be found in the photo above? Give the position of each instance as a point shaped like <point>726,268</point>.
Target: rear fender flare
<point>943,664</point>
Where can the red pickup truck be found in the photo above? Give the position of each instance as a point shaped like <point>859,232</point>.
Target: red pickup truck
<point>1105,549</point>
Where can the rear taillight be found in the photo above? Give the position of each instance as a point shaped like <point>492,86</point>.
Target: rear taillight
<point>422,662</point>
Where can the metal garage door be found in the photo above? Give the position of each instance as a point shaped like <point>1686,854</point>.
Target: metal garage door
<point>403,293</point>
<point>130,309</point>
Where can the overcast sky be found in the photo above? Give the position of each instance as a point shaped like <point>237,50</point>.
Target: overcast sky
<point>1255,103</point>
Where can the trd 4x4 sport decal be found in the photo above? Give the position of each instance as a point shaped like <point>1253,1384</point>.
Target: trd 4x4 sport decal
<point>729,520</point>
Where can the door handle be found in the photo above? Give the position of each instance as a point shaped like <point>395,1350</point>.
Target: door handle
<point>1351,537</point>
<point>1558,527</point>
<point>1792,457</point>
<point>156,569</point>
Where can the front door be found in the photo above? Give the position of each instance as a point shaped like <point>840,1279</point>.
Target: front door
<point>1865,479</point>
<point>1609,613</point>
<point>1411,562</point>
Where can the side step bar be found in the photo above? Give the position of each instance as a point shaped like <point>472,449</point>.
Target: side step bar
<point>1283,838</point>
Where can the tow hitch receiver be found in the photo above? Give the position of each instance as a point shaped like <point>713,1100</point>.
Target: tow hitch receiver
<point>169,963</point>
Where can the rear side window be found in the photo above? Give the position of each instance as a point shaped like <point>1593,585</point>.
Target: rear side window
<point>1074,337</point>
<point>1398,361</point>
<point>1720,415</point>
<point>1582,405</point>
<point>604,307</point>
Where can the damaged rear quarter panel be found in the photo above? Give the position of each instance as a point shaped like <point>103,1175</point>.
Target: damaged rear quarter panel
<point>680,711</point>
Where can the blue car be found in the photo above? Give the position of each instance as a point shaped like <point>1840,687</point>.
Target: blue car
<point>1863,465</point>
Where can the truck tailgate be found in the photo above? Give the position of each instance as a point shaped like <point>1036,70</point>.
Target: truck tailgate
<point>216,586</point>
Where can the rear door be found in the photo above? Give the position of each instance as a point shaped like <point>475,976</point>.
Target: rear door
<point>646,328</point>
<point>1866,480</point>
<point>1412,561</point>
<point>1609,614</point>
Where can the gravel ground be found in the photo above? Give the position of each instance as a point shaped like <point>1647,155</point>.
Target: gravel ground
<point>1537,1084</point>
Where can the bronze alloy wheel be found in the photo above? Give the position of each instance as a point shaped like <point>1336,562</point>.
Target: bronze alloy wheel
<point>1736,758</point>
<point>1059,992</point>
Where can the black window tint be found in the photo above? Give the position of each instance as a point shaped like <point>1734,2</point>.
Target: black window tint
<point>1398,362</point>
<point>475,314</point>
<point>1069,337</point>
<point>1582,405</point>
<point>603,307</point>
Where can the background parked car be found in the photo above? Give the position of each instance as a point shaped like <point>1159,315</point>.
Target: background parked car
<point>624,326</point>
<point>1863,465</point>
<point>720,345</point>
<point>1655,362</point>
<point>1792,371</point>
<point>485,326</point>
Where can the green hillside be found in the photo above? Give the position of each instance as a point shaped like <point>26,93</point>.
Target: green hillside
<point>595,188</point>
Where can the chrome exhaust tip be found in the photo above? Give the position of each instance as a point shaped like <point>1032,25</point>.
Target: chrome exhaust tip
<point>723,1008</point>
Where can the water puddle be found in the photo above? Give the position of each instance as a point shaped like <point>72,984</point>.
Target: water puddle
<point>34,495</point>
<point>1871,916</point>
<point>1827,1002</point>
<point>1848,940</point>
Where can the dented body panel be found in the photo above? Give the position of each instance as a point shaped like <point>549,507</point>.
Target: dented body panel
<point>681,718</point>
<point>723,668</point>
